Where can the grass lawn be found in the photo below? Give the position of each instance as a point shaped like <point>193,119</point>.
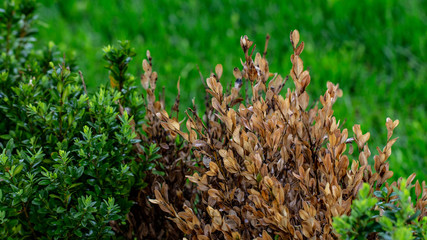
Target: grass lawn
<point>375,50</point>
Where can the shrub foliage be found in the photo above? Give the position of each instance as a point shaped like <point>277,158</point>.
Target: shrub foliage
<point>115,163</point>
<point>274,166</point>
<point>386,215</point>
<point>68,163</point>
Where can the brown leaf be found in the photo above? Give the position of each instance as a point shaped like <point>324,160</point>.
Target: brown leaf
<point>295,38</point>
<point>231,165</point>
<point>266,236</point>
<point>202,237</point>
<point>217,195</point>
<point>212,84</point>
<point>299,49</point>
<point>390,127</point>
<point>236,235</point>
<point>164,146</point>
<point>303,100</point>
<point>144,81</point>
<point>360,138</point>
<point>199,143</point>
<point>218,70</point>
<point>417,189</point>
<point>410,179</point>
<point>299,66</point>
<point>145,65</point>
<point>236,73</point>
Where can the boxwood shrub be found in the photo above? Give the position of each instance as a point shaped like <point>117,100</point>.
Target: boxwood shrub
<point>114,164</point>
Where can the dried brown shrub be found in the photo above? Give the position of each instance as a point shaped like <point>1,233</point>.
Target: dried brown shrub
<point>273,166</point>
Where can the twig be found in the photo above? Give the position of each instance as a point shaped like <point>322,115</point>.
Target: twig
<point>83,81</point>
<point>267,38</point>
<point>201,76</point>
<point>28,221</point>
<point>253,49</point>
<point>84,87</point>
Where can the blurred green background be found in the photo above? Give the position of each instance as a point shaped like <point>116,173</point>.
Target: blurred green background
<point>376,51</point>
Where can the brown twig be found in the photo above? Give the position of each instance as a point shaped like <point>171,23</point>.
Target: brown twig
<point>84,87</point>
<point>267,38</point>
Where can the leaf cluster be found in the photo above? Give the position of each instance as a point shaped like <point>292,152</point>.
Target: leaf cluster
<point>384,214</point>
<point>69,161</point>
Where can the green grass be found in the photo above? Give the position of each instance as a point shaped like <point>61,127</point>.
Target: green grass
<point>375,50</point>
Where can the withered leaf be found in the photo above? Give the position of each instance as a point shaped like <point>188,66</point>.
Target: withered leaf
<point>299,66</point>
<point>417,189</point>
<point>145,65</point>
<point>199,143</point>
<point>218,70</point>
<point>295,38</point>
<point>299,49</point>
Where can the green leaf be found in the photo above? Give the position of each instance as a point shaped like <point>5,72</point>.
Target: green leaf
<point>160,173</point>
<point>60,209</point>
<point>10,145</point>
<point>44,182</point>
<point>378,194</point>
<point>18,169</point>
<point>55,196</point>
<point>364,192</point>
<point>75,185</point>
<point>78,233</point>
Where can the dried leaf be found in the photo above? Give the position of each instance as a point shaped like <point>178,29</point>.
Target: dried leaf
<point>218,70</point>
<point>294,38</point>
<point>145,65</point>
<point>299,66</point>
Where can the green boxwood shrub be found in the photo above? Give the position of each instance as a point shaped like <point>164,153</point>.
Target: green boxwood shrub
<point>67,159</point>
<point>382,215</point>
